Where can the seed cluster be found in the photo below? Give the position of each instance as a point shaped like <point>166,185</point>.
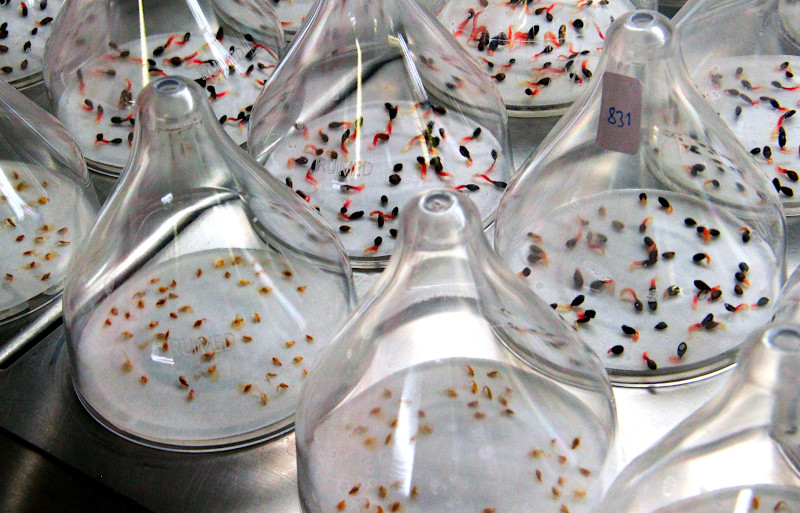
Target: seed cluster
<point>485,409</point>
<point>538,55</point>
<point>291,13</point>
<point>99,105</point>
<point>358,172</point>
<point>652,280</point>
<point>24,28</point>
<point>221,335</point>
<point>42,218</point>
<point>757,98</point>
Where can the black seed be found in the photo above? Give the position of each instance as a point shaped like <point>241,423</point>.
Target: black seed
<point>698,257</point>
<point>617,226</point>
<point>393,233</point>
<point>344,228</point>
<point>578,300</point>
<point>394,179</point>
<point>738,290</point>
<point>744,267</point>
<point>716,294</point>
<point>668,255</point>
<point>682,349</point>
<point>651,364</point>
<point>617,350</point>
<point>577,278</point>
<point>627,330</point>
<point>689,221</point>
<point>590,314</point>
<point>763,301</point>
<point>661,325</point>
<point>701,285</point>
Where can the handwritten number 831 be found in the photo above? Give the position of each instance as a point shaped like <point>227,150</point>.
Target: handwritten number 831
<point>618,118</point>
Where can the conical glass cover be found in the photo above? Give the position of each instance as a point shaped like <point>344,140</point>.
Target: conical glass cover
<point>541,55</point>
<point>642,202</point>
<point>208,289</point>
<point>741,54</point>
<point>102,53</point>
<point>737,453</point>
<point>454,388</point>
<point>373,103</point>
<point>47,205</point>
<point>787,308</point>
<point>24,29</point>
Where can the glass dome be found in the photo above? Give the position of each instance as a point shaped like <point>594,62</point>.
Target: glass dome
<point>209,292</point>
<point>373,103</point>
<point>102,53</point>
<point>644,203</point>
<point>47,205</point>
<point>741,54</point>
<point>541,56</point>
<point>24,29</point>
<point>453,384</point>
<point>737,453</point>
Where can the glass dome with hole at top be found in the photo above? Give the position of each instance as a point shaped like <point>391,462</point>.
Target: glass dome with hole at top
<point>47,205</point>
<point>737,453</point>
<point>541,55</point>
<point>641,206</point>
<point>208,291</point>
<point>102,53</point>
<point>742,54</point>
<point>24,29</point>
<point>454,388</point>
<point>373,103</point>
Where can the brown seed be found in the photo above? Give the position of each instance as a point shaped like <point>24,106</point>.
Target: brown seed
<point>153,324</point>
<point>247,388</point>
<point>127,334</point>
<point>256,318</point>
<point>244,282</point>
<point>265,290</point>
<point>388,439</point>
<point>309,338</point>
<point>143,380</point>
<point>576,443</point>
<point>585,472</point>
<point>276,361</point>
<point>473,404</point>
<point>395,506</point>
<point>451,392</point>
<point>164,346</point>
<point>382,492</point>
<point>298,359</point>
<point>199,273</point>
<point>301,289</point>
<point>46,277</point>
<point>538,475</point>
<point>42,200</point>
<point>161,302</point>
<point>492,374</point>
<point>556,492</point>
<point>183,381</point>
<point>173,315</point>
<point>127,366</point>
<point>354,490</point>
<point>480,415</point>
<point>209,355</point>
<point>247,338</point>
<point>426,429</point>
<point>227,275</point>
<point>264,399</point>
<point>186,308</point>
<point>140,304</point>
<point>289,343</point>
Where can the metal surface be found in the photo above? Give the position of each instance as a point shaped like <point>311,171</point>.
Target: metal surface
<point>37,403</point>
